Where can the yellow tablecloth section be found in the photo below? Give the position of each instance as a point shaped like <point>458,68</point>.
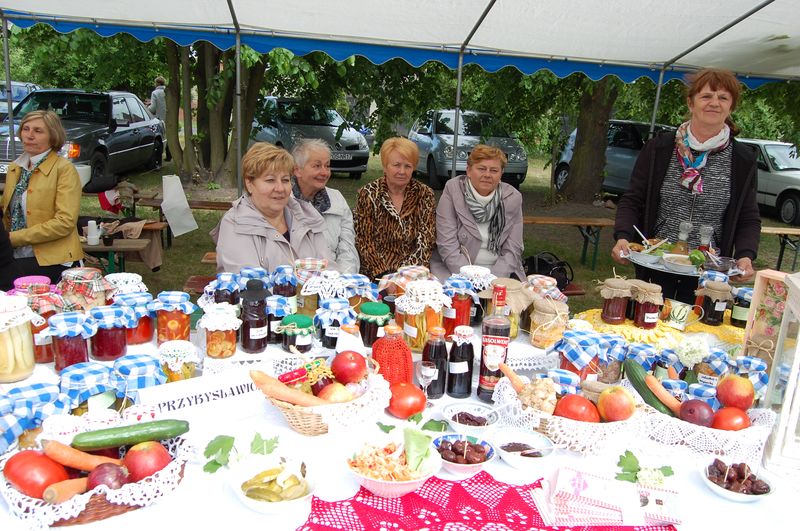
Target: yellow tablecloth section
<point>663,336</point>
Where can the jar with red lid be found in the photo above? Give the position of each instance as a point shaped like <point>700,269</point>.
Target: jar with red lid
<point>462,296</point>
<point>221,324</point>
<point>648,303</point>
<point>139,303</point>
<point>173,315</point>
<point>110,342</point>
<point>283,282</point>
<point>615,292</point>
<point>71,332</point>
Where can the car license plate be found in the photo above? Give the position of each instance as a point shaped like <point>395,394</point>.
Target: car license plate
<point>341,156</point>
<point>3,168</point>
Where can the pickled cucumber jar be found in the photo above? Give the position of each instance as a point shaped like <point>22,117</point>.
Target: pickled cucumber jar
<point>517,300</point>
<point>421,306</point>
<point>372,317</point>
<point>88,385</point>
<point>16,342</point>
<point>298,331</point>
<point>548,322</point>
<point>71,332</point>
<point>173,315</point>
<point>330,316</point>
<point>111,342</point>
<point>220,324</point>
<point>85,288</point>
<point>179,360</point>
<point>134,372</point>
<point>141,330</point>
<point>283,282</point>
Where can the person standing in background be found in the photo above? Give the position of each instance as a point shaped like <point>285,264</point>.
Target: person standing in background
<point>9,269</point>
<point>158,105</point>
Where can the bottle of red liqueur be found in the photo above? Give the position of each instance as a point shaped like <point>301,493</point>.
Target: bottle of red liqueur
<point>495,331</point>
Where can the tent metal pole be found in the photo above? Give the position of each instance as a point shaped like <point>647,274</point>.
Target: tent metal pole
<point>238,99</point>
<point>9,89</point>
<point>657,102</point>
<point>459,73</point>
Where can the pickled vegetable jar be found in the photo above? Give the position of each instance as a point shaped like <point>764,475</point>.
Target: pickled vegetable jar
<point>421,306</point>
<point>178,359</point>
<point>372,317</point>
<point>110,342</point>
<point>548,322</point>
<point>173,315</point>
<point>221,324</point>
<point>139,303</point>
<point>16,341</point>
<point>85,288</point>
<point>298,331</point>
<point>71,332</point>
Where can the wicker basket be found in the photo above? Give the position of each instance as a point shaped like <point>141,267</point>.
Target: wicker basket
<point>301,419</point>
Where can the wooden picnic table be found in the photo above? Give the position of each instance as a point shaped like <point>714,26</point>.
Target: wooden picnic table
<point>209,258</point>
<point>116,251</point>
<point>194,204</point>
<point>787,236</point>
<point>589,228</point>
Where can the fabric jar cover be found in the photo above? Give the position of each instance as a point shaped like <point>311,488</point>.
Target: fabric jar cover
<point>176,352</point>
<point>744,294</point>
<point>42,299</point>
<point>755,369</point>
<point>334,309</point>
<point>324,284</point>
<point>643,354</point>
<point>670,358</point>
<point>404,275</point>
<point>278,306</point>
<point>139,303</point>
<point>227,281</point>
<point>714,276</point>
<point>612,347</point>
<point>481,277</point>
<point>566,382</point>
<point>84,286</point>
<point>171,301</point>
<point>283,274</point>
<point>718,361</point>
<point>24,408</point>
<point>296,325</point>
<point>249,273</point>
<point>421,294</point>
<point>114,317</point>
<point>306,268</point>
<point>544,286</point>
<point>579,347</point>
<point>676,387</point>
<point>70,324</point>
<point>21,283</point>
<point>359,285</point>
<point>460,285</point>
<point>706,393</point>
<point>126,283</point>
<point>136,371</point>
<point>219,316</point>
<point>83,380</point>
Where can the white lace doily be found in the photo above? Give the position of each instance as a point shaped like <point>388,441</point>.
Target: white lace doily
<point>38,515</point>
<point>422,293</point>
<point>367,407</point>
<point>531,359</point>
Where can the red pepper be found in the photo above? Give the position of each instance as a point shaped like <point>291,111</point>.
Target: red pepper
<point>294,377</point>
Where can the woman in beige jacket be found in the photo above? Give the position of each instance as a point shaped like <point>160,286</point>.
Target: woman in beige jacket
<point>267,226</point>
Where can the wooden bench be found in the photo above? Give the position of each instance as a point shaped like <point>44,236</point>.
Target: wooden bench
<point>589,228</point>
<point>573,290</point>
<point>786,237</point>
<point>209,258</point>
<point>195,283</point>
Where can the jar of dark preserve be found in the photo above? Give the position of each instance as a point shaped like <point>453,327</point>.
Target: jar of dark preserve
<point>741,307</point>
<point>298,331</point>
<point>139,303</point>
<point>648,302</point>
<point>635,284</point>
<point>372,317</point>
<point>615,292</point>
<point>330,316</point>
<point>284,283</point>
<point>110,342</point>
<point>715,301</point>
<point>71,332</point>
<point>277,309</point>
<point>435,351</point>
<point>226,288</point>
<point>460,363</point>
<point>255,327</point>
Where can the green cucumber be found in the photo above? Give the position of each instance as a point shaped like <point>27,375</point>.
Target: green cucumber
<point>635,374</point>
<point>155,430</point>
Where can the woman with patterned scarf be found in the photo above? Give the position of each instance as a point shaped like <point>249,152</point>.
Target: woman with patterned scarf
<point>42,199</point>
<point>479,219</point>
<point>699,174</point>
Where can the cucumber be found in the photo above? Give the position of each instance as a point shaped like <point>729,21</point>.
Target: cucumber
<point>635,374</point>
<point>155,430</point>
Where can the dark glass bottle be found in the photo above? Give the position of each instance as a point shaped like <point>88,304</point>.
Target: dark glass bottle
<point>255,327</point>
<point>436,351</point>
<point>459,366</point>
<point>495,336</point>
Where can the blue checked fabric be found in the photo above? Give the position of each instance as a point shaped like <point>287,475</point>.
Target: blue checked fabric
<point>357,284</point>
<point>82,380</point>
<point>134,372</point>
<point>227,281</point>
<point>718,360</point>
<point>744,294</point>
<point>137,302</point>
<point>716,276</point>
<point>578,346</point>
<point>173,300</point>
<point>113,317</point>
<point>250,273</point>
<point>613,347</point>
<point>676,387</point>
<point>784,369</point>
<point>24,408</point>
<point>755,369</point>
<point>459,285</point>
<point>670,358</point>
<point>706,393</point>
<point>283,274</point>
<point>566,382</point>
<point>334,309</point>
<point>643,354</point>
<point>278,306</point>
<point>70,324</point>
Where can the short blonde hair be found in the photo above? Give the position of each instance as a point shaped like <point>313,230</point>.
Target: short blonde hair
<point>263,157</point>
<point>53,124</point>
<point>484,152</point>
<point>407,149</point>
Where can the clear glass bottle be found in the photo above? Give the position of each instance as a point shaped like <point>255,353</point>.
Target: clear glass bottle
<point>436,351</point>
<point>682,245</point>
<point>495,336</point>
<point>706,232</point>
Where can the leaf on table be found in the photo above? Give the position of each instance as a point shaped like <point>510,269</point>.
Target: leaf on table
<point>626,476</point>
<point>629,463</point>
<point>218,451</point>
<point>436,425</point>
<point>263,446</point>
<point>667,471</point>
<point>385,428</point>
<point>415,418</point>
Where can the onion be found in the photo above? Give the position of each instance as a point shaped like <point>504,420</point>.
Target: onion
<point>108,474</point>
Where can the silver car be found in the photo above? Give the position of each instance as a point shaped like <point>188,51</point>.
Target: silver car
<point>283,121</point>
<point>434,137</point>
<point>778,177</point>
<point>19,90</point>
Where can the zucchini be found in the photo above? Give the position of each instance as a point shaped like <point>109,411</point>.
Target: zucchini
<point>635,374</point>
<point>155,430</point>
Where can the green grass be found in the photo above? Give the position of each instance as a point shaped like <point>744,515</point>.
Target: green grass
<point>183,258</point>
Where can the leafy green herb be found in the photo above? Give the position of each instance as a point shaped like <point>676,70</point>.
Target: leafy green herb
<point>628,462</point>
<point>436,425</point>
<point>631,469</point>
<point>218,451</point>
<point>263,446</point>
<point>416,418</point>
<point>667,471</point>
<point>385,428</point>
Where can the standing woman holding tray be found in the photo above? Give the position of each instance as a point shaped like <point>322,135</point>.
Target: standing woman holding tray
<point>699,174</point>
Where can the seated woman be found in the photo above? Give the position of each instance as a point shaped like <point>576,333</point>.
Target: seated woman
<point>479,219</point>
<point>312,170</point>
<point>267,226</point>
<point>395,215</point>
<point>42,200</point>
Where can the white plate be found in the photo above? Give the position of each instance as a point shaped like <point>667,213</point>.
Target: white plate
<point>659,266</point>
<point>735,496</point>
<point>475,408</point>
<point>252,465</point>
<point>532,438</point>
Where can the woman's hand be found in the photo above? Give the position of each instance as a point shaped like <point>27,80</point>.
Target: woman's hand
<point>745,265</point>
<point>620,250</point>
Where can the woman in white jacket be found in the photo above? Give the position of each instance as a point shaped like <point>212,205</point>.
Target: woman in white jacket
<point>312,170</point>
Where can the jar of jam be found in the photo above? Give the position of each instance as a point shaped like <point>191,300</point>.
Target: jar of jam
<point>253,273</point>
<point>578,356</point>
<point>677,388</point>
<point>298,331</point>
<point>372,317</point>
<point>88,385</point>
<point>255,327</point>
<point>226,288</point>
<point>715,301</point>
<point>71,332</point>
<point>16,341</point>
<point>178,360</point>
<point>393,356</point>
<point>481,279</point>
<point>277,308</point>
<point>284,283</point>
<point>134,372</point>
<point>609,367</point>
<point>462,296</point>
<point>359,290</point>
<point>142,328</point>
<point>548,322</point>
<point>712,367</point>
<point>85,288</point>
<point>46,303</point>
<point>421,306</point>
<point>741,306</point>
<point>110,341</point>
<point>173,315</point>
<point>330,316</point>
<point>615,292</point>
<point>648,301</point>
<point>635,284</point>
<point>220,323</point>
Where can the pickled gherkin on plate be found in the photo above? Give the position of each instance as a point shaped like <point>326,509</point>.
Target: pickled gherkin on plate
<point>276,484</point>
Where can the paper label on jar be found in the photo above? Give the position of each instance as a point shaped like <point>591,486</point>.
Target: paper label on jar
<point>381,332</point>
<point>449,313</point>
<point>707,379</point>
<point>41,340</point>
<point>292,304</point>
<point>473,311</point>
<point>720,306</point>
<point>410,331</point>
<point>273,326</point>
<point>302,340</point>
<point>740,313</point>
<point>300,302</point>
<point>457,367</point>
<point>260,332</point>
<point>651,317</point>
<point>332,331</point>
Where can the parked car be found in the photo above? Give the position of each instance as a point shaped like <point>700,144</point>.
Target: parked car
<point>113,132</point>
<point>433,134</point>
<point>19,89</point>
<point>283,121</point>
<point>625,140</point>
<point>778,177</point>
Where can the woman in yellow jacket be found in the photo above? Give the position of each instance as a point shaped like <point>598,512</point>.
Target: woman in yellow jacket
<point>41,200</point>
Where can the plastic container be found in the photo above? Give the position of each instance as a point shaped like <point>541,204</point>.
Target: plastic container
<point>16,342</point>
<point>372,318</point>
<point>173,315</point>
<point>220,324</point>
<point>71,332</point>
<point>142,329</point>
<point>298,331</point>
<point>110,342</point>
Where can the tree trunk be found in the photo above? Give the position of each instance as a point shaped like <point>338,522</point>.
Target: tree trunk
<point>589,156</point>
<point>189,159</point>
<point>173,102</point>
<point>206,54</point>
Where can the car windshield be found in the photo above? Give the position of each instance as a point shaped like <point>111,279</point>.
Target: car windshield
<point>783,157</point>
<point>17,92</point>
<point>471,124</point>
<point>294,112</point>
<point>68,106</point>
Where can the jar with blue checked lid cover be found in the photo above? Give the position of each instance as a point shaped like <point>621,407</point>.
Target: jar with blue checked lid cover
<point>71,332</point>
<point>741,306</point>
<point>110,342</point>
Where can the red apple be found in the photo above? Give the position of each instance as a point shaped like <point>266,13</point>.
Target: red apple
<point>349,367</point>
<point>336,392</point>
<point>145,459</point>
<point>616,403</point>
<point>735,391</point>
<point>697,412</point>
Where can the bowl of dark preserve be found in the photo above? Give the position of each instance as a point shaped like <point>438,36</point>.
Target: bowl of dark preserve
<point>470,418</point>
<point>522,449</point>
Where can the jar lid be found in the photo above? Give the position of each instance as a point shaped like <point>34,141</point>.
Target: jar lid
<point>176,352</point>
<point>299,320</point>
<point>392,329</point>
<point>511,284</point>
<point>464,331</point>
<point>136,371</point>
<point>377,309</point>
<point>126,282</point>
<point>743,294</point>
<point>138,302</point>
<point>436,331</point>
<point>115,316</point>
<point>219,316</point>
<point>253,273</point>
<point>255,290</point>
<point>651,288</point>
<point>22,283</point>
<point>278,305</point>
<point>481,277</point>
<point>83,280</point>
<point>637,283</point>
<point>71,324</point>
<point>421,294</point>
<point>350,328</point>
<point>82,380</point>
<point>550,306</point>
<point>14,311</point>
<point>173,300</point>
<point>617,283</point>
<point>283,274</point>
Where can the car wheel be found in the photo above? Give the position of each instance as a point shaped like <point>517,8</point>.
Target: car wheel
<point>101,180</point>
<point>561,177</point>
<point>356,175</point>
<point>789,209</point>
<point>434,181</point>
<point>155,159</point>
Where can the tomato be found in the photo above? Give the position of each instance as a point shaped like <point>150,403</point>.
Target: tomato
<point>30,472</point>
<point>730,418</point>
<point>407,399</point>
<point>576,407</point>
<point>349,367</point>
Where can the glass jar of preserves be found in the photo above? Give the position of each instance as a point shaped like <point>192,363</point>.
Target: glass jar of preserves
<point>615,292</point>
<point>71,332</point>
<point>359,290</point>
<point>284,283</point>
<point>21,284</point>
<point>421,307</point>
<point>298,331</point>
<point>277,308</point>
<point>88,385</point>
<point>220,323</point>
<point>743,297</point>
<point>226,288</point>
<point>372,317</point>
<point>179,360</point>
<point>614,348</point>
<point>110,342</point>
<point>16,341</point>
<point>676,388</point>
<point>481,279</point>
<point>712,367</point>
<point>462,296</point>
<point>517,300</point>
<point>542,287</point>
<point>85,288</point>
<point>46,303</point>
<point>314,281</point>
<point>173,315</point>
<point>635,285</point>
<point>252,273</point>
<point>715,301</point>
<point>548,322</point>
<point>142,328</point>
<point>126,283</point>
<point>577,354</point>
<point>134,372</point>
<point>330,316</point>
<point>648,299</point>
<point>396,283</point>
<point>255,326</point>
<point>393,355</point>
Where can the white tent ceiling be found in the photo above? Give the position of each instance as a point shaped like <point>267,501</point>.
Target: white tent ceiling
<point>628,38</point>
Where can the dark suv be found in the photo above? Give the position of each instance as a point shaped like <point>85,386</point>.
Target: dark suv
<point>113,132</point>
